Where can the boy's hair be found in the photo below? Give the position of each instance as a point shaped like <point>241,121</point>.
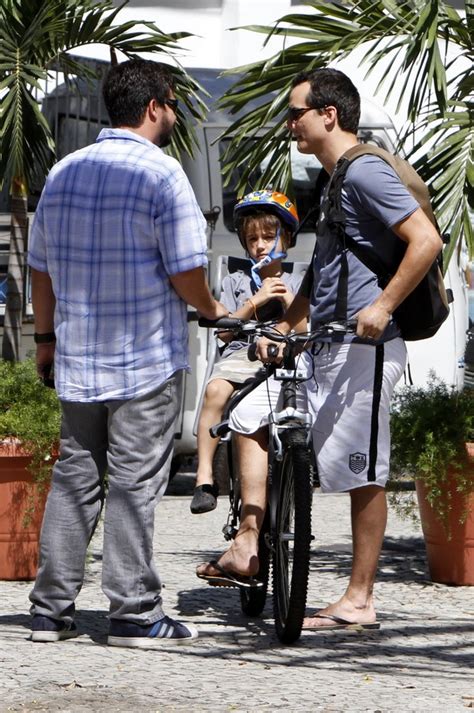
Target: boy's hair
<point>269,220</point>
<point>330,87</point>
<point>130,86</point>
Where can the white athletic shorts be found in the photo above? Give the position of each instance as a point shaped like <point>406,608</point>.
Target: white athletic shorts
<point>347,392</point>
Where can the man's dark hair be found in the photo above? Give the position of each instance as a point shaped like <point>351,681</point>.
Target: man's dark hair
<point>330,87</point>
<point>130,86</point>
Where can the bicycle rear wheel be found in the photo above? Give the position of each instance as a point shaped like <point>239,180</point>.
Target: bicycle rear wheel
<point>292,537</point>
<point>252,601</point>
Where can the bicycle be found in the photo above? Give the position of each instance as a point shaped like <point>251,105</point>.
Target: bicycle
<point>286,536</point>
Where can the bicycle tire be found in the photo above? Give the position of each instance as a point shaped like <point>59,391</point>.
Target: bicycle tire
<point>220,468</point>
<point>292,537</point>
<point>252,601</point>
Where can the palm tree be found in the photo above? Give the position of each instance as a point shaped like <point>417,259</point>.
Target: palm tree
<point>35,36</point>
<point>426,50</point>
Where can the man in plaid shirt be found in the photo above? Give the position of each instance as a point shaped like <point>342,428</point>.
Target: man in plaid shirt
<point>117,251</point>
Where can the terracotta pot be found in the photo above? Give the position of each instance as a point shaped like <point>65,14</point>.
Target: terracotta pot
<point>19,496</point>
<point>450,561</point>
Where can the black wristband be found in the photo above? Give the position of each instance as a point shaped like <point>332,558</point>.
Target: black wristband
<point>47,338</point>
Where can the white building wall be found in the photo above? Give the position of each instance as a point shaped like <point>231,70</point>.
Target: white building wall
<point>209,20</point>
<point>215,45</point>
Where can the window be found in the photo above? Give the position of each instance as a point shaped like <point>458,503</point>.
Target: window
<point>305,169</point>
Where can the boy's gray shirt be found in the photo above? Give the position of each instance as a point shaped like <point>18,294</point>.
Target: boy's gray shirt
<point>237,288</point>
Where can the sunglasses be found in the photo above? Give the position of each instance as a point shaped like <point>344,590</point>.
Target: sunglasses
<point>295,113</point>
<point>173,104</point>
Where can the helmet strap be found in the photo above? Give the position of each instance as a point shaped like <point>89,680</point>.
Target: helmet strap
<point>271,257</point>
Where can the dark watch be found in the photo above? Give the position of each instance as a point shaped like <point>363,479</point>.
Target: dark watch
<point>46,338</point>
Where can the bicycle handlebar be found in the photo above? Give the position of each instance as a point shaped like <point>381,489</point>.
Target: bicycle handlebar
<point>272,351</point>
<point>265,329</point>
<point>221,323</point>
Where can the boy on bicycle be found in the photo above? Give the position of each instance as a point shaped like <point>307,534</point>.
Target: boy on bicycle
<point>265,222</point>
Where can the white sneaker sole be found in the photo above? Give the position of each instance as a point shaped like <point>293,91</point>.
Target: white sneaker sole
<point>149,642</point>
<point>51,636</point>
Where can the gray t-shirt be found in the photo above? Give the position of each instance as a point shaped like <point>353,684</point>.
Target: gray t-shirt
<point>237,287</point>
<point>373,199</point>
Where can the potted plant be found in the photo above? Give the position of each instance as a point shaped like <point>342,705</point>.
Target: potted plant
<point>432,440</point>
<point>29,435</point>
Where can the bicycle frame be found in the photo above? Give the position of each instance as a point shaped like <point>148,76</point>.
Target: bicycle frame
<point>281,420</point>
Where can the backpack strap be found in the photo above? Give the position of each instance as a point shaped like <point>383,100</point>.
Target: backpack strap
<point>404,170</point>
<point>336,219</point>
<point>314,212</point>
<point>321,181</point>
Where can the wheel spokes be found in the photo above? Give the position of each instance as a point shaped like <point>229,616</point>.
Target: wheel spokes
<point>284,538</point>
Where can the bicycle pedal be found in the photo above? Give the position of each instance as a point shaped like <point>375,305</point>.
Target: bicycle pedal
<point>219,430</point>
<point>268,542</point>
<point>229,532</point>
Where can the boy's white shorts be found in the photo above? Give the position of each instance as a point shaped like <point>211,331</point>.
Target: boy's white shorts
<point>347,392</point>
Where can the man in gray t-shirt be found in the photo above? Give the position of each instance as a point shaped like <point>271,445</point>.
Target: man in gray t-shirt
<point>353,381</point>
<point>373,200</point>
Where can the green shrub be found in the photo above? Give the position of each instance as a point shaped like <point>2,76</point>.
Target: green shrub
<point>430,428</point>
<point>29,412</point>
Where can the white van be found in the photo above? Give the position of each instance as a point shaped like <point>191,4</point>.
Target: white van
<point>76,121</point>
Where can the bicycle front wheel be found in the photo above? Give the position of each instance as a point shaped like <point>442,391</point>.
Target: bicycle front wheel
<point>292,537</point>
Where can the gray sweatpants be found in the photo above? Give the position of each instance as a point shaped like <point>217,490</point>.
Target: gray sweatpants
<point>133,441</point>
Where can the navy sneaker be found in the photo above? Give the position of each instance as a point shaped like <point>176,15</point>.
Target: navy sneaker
<point>162,632</point>
<point>45,629</point>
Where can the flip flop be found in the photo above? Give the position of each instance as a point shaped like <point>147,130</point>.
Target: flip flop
<point>225,578</point>
<point>340,623</point>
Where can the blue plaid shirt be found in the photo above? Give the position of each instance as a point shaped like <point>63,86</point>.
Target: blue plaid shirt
<point>115,220</point>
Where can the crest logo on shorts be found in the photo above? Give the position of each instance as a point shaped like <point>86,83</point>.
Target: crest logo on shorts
<point>357,462</point>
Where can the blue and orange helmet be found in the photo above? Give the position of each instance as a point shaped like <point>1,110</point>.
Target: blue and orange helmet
<point>270,202</point>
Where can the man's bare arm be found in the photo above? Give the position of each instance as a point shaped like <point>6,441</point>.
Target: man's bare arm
<point>193,289</point>
<point>294,318</point>
<point>44,302</point>
<point>423,245</point>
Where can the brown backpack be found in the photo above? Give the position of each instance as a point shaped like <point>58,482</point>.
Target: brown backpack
<point>423,311</point>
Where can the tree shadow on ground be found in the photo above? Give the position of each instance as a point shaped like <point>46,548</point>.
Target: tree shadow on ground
<point>91,622</point>
<point>405,648</point>
<point>402,559</point>
<point>404,645</point>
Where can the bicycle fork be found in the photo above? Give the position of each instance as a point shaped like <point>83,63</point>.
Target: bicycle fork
<point>280,432</point>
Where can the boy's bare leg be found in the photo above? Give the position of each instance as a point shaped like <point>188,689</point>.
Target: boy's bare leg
<point>218,392</point>
<point>242,556</point>
<point>369,518</point>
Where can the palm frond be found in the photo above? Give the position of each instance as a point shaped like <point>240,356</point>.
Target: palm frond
<point>413,39</point>
<point>37,35</point>
<point>448,169</point>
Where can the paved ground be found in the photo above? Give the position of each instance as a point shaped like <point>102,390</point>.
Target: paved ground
<point>422,659</point>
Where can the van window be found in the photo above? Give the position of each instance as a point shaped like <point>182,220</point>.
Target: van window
<point>304,168</point>
<point>75,132</point>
